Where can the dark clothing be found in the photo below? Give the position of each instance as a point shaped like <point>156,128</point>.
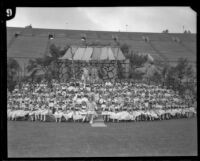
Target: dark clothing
<point>53,110</point>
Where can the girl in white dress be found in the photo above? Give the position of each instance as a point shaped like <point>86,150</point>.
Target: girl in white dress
<point>91,105</point>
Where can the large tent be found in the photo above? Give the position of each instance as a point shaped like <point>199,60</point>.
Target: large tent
<point>93,53</point>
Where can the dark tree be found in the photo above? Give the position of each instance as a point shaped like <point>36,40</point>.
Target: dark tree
<point>49,66</point>
<point>12,73</point>
<point>125,48</point>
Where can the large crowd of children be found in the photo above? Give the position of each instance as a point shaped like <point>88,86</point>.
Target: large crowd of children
<point>115,102</point>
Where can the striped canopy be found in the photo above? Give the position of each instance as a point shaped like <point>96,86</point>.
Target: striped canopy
<point>93,53</point>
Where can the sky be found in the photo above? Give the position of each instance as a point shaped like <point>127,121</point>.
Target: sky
<point>124,19</point>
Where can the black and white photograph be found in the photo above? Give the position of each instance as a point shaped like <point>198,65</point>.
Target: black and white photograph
<point>102,82</point>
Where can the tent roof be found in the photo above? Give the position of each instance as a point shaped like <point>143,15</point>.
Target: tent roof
<point>93,53</point>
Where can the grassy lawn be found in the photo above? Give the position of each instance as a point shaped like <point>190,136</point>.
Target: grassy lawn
<point>38,139</point>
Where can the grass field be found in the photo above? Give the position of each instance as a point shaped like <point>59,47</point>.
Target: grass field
<point>158,138</point>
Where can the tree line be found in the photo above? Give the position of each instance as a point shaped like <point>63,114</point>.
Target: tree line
<point>181,77</point>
